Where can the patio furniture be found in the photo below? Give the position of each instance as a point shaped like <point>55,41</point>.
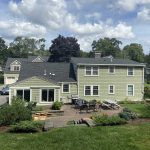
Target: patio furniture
<point>85,105</point>
<point>74,98</point>
<point>113,104</point>
<point>106,105</point>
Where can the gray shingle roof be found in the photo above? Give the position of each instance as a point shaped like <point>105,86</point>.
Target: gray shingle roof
<point>63,71</point>
<point>105,61</point>
<point>29,59</point>
<point>9,61</point>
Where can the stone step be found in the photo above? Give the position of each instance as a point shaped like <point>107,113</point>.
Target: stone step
<point>48,125</point>
<point>88,121</point>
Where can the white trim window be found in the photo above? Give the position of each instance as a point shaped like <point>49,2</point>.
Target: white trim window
<point>47,95</point>
<point>111,69</point>
<point>24,94</point>
<point>130,90</point>
<point>91,90</point>
<point>111,89</point>
<point>15,67</point>
<point>66,88</point>
<point>130,71</point>
<point>92,71</point>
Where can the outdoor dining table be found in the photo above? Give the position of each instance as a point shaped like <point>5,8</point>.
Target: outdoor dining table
<point>113,104</point>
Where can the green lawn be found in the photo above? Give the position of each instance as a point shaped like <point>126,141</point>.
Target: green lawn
<point>125,137</point>
<point>142,110</point>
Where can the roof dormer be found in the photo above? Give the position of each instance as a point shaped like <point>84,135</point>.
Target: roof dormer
<point>38,59</point>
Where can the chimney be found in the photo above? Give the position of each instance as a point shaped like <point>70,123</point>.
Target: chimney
<point>97,54</point>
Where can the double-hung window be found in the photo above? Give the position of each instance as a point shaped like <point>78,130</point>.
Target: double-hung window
<point>111,89</point>
<point>130,89</point>
<point>16,68</point>
<point>65,88</point>
<point>130,71</point>
<point>91,71</point>
<point>91,90</point>
<point>111,69</point>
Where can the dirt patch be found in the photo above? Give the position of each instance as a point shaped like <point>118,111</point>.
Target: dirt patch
<point>4,128</point>
<point>139,121</point>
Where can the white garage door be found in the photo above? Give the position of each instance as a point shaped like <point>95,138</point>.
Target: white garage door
<point>10,80</point>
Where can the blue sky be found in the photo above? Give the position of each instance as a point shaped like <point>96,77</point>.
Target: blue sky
<point>126,20</point>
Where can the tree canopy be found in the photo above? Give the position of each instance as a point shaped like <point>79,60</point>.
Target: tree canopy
<point>134,51</point>
<point>107,46</point>
<point>3,51</point>
<point>63,48</point>
<point>23,46</point>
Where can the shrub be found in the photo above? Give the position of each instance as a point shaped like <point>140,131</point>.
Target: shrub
<point>127,114</point>
<point>11,114</point>
<point>56,105</point>
<point>31,105</point>
<point>147,92</point>
<point>27,126</point>
<point>105,120</point>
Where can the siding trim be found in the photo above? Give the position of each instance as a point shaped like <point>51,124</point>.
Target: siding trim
<point>83,64</point>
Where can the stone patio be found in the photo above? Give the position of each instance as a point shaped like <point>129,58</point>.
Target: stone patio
<point>71,113</point>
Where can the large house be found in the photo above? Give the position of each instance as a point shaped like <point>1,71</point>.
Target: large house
<point>88,78</point>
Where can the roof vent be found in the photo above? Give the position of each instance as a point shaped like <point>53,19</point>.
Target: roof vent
<point>52,74</point>
<point>45,72</point>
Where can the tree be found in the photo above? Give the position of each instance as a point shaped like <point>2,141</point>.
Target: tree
<point>134,51</point>
<point>147,59</point>
<point>3,51</point>
<point>63,48</point>
<point>107,46</point>
<point>23,46</point>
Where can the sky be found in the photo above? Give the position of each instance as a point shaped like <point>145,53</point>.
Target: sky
<point>86,20</point>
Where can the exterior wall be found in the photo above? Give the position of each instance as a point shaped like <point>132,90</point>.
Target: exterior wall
<point>66,97</point>
<point>120,80</point>
<point>10,81</point>
<point>35,85</point>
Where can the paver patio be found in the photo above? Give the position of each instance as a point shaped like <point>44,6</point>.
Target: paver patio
<point>74,114</point>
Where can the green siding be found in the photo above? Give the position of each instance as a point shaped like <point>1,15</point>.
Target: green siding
<point>35,85</point>
<point>34,81</point>
<point>73,91</point>
<point>119,79</point>
<point>35,94</point>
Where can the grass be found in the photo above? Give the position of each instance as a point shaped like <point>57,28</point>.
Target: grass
<point>143,110</point>
<point>125,137</point>
<point>146,85</point>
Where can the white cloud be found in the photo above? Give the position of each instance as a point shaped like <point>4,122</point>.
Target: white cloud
<point>53,15</point>
<point>11,29</point>
<point>130,5</point>
<point>121,31</point>
<point>144,14</point>
<point>95,16</point>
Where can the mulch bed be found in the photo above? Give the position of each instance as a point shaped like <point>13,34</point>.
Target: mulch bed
<point>4,128</point>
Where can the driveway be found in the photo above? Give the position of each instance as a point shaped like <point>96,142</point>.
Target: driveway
<point>3,99</point>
